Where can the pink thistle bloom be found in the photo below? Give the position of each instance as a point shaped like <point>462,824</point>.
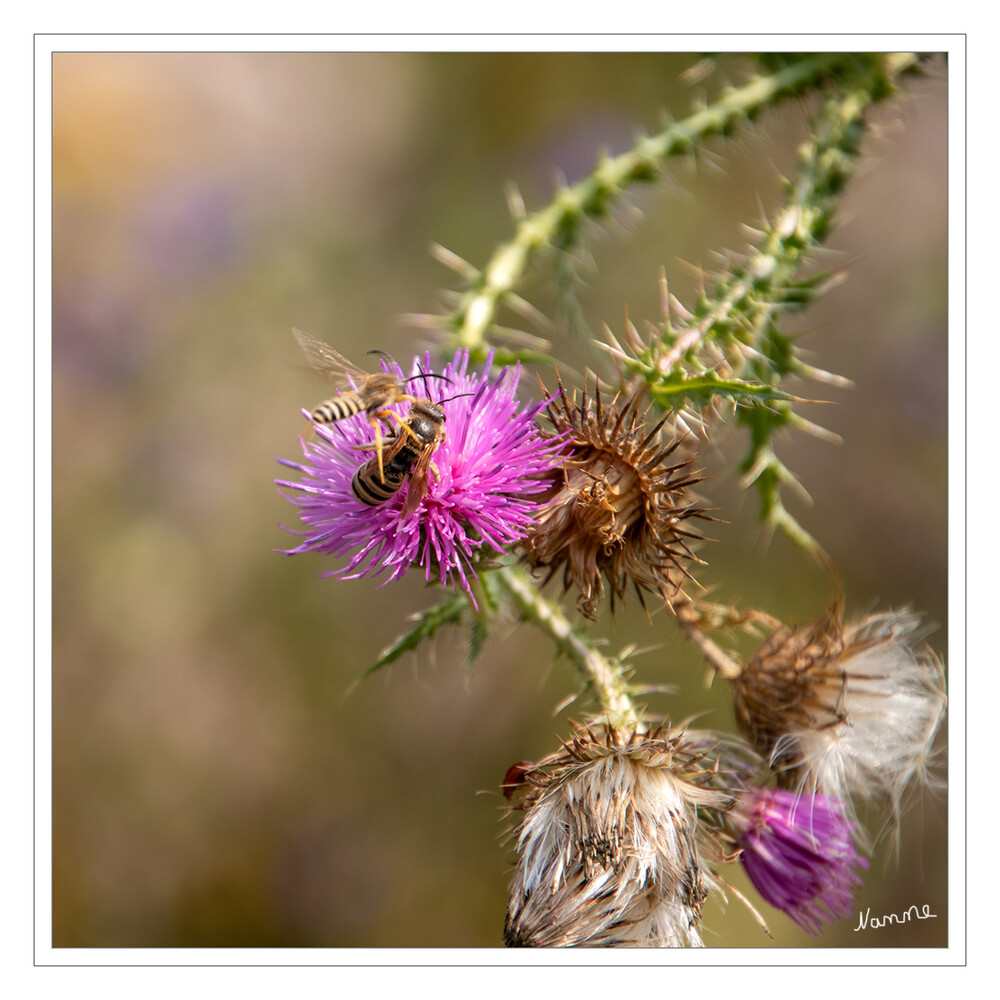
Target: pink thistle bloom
<point>489,467</point>
<point>799,853</point>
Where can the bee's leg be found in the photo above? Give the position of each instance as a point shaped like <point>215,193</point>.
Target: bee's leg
<point>403,425</point>
<point>434,468</point>
<point>378,448</point>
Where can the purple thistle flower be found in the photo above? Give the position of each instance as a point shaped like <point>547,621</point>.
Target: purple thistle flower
<point>489,466</point>
<point>799,854</point>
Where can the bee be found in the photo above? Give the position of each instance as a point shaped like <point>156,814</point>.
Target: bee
<point>409,455</point>
<point>362,392</point>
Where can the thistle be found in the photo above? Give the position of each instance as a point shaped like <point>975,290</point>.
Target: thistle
<point>480,498</point>
<point>619,505</point>
<point>844,709</point>
<point>798,853</point>
<point>611,851</point>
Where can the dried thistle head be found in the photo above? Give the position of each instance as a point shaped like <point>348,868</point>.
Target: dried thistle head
<point>611,850</point>
<point>844,708</point>
<point>619,505</point>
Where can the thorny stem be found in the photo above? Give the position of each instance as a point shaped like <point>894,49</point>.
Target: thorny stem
<point>825,164</point>
<point>743,307</point>
<point>745,303</point>
<point>604,677</point>
<point>556,223</point>
<point>723,664</point>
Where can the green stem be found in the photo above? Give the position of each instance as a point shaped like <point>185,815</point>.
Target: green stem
<point>743,308</point>
<point>747,300</point>
<point>558,223</point>
<point>602,675</point>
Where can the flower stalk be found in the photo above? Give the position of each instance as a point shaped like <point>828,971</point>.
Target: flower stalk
<point>690,622</point>
<point>604,677</point>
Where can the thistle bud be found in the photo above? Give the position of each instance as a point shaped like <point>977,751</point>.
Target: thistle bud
<point>799,853</point>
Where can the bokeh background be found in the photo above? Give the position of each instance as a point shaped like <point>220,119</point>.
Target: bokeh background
<point>218,780</point>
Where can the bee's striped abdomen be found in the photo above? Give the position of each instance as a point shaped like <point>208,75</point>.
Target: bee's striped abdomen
<point>412,447</point>
<point>369,488</point>
<point>338,408</point>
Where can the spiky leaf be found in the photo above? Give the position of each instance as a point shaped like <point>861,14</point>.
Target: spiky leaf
<point>427,622</point>
<point>678,389</point>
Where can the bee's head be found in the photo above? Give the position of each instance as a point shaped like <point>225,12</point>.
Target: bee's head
<point>430,411</point>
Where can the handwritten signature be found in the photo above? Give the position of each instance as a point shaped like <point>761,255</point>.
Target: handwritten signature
<point>912,913</point>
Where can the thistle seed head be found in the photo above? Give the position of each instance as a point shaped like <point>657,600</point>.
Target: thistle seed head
<point>611,850</point>
<point>844,709</point>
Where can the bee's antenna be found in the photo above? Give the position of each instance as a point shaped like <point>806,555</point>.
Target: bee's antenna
<point>425,376</point>
<point>457,396</point>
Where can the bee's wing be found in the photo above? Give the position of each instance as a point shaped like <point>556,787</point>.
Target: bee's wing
<point>392,447</point>
<point>324,359</point>
<point>418,481</point>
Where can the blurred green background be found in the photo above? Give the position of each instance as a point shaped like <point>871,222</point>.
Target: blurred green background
<point>213,786</point>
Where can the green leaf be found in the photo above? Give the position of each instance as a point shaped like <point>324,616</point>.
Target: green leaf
<point>484,592</point>
<point>677,389</point>
<point>763,468</point>
<point>478,631</point>
<point>426,624</point>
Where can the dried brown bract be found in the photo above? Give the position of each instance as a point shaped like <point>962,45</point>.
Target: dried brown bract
<point>787,684</point>
<point>619,505</point>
